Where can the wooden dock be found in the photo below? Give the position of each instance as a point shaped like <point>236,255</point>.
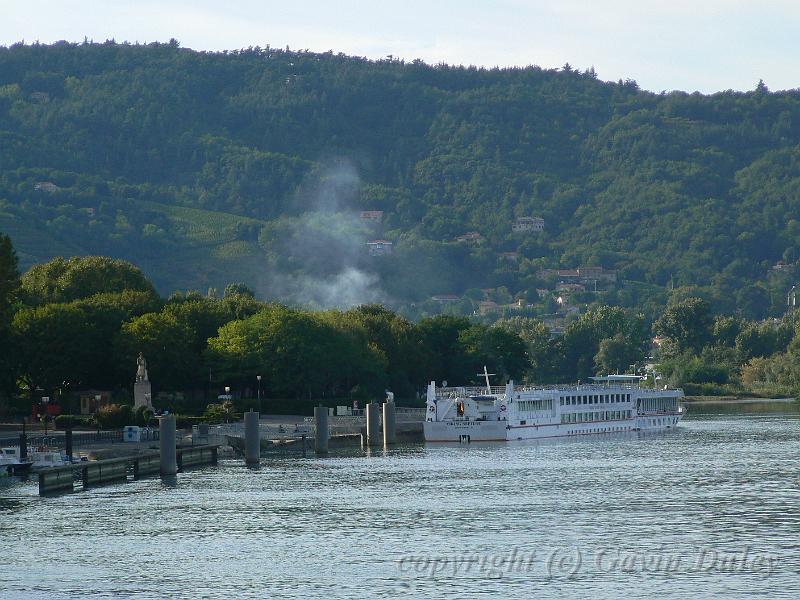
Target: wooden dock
<point>96,472</point>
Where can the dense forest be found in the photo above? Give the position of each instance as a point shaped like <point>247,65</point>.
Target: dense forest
<point>253,165</point>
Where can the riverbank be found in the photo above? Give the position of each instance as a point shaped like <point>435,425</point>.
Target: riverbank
<point>733,400</point>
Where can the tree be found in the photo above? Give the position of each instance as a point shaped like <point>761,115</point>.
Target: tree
<point>686,325</point>
<point>397,339</point>
<point>238,289</point>
<point>616,354</point>
<point>9,280</point>
<point>497,348</point>
<point>9,285</point>
<point>440,335</point>
<point>298,353</point>
<point>580,344</point>
<point>538,343</point>
<point>64,280</point>
<point>168,346</point>
<point>52,346</point>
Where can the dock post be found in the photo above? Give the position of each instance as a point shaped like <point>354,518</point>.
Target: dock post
<point>389,424</point>
<point>23,441</point>
<point>68,442</point>
<point>166,437</point>
<point>322,432</point>
<point>252,439</point>
<point>373,425</point>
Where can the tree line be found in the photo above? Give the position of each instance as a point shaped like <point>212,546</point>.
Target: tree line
<point>79,323</point>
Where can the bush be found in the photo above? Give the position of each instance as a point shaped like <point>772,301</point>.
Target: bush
<point>142,416</point>
<point>220,413</point>
<point>114,416</point>
<point>73,421</point>
<point>186,422</point>
<point>707,389</point>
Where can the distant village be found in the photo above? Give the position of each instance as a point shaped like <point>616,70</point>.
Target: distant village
<point>563,290</point>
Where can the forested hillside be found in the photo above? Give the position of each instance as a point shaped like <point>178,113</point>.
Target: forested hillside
<point>254,165</point>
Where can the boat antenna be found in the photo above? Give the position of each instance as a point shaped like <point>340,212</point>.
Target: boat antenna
<point>486,375</point>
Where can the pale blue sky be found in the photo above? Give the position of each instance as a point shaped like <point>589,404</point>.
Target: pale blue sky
<point>705,45</point>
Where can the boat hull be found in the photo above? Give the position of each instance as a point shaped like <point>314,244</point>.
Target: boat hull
<point>501,431</point>
<point>465,431</point>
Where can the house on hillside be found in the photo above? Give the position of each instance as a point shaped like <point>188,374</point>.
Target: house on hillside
<point>379,248</point>
<point>371,216</point>
<point>570,287</point>
<point>46,186</point>
<point>512,256</point>
<point>527,225</point>
<point>581,274</point>
<point>596,274</point>
<point>487,306</point>
<point>471,237</point>
<point>445,298</point>
<point>781,266</point>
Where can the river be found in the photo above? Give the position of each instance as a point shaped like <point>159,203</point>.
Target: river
<point>710,509</point>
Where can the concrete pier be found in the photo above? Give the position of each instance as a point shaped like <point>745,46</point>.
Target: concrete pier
<point>104,471</point>
<point>166,436</point>
<point>113,470</point>
<point>389,424</point>
<point>373,425</point>
<point>322,430</point>
<point>252,438</point>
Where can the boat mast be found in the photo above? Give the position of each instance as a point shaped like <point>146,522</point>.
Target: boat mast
<point>486,374</point>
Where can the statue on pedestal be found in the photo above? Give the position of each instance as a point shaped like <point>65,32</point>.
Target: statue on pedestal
<point>142,389</point>
<point>141,371</point>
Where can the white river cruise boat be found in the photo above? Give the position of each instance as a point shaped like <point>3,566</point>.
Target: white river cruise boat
<point>609,404</point>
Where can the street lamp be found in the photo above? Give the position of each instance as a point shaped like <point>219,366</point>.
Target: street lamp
<point>259,393</point>
<point>226,404</point>
<point>45,401</point>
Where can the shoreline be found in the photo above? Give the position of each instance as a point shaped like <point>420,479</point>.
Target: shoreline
<point>734,400</point>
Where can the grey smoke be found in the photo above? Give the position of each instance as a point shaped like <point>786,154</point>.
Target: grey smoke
<point>322,260</point>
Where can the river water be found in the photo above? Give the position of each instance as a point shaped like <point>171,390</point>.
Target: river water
<point>711,509</point>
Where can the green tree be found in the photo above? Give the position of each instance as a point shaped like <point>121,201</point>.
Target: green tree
<point>616,354</point>
<point>580,344</point>
<point>168,346</point>
<point>441,336</point>
<point>686,325</point>
<point>238,289</point>
<point>52,346</point>
<point>64,280</point>
<point>299,354</point>
<point>9,285</point>
<point>538,343</point>
<point>9,280</point>
<point>497,348</point>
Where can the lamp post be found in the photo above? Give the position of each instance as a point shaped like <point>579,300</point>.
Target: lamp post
<point>45,401</point>
<point>227,393</point>
<point>259,393</point>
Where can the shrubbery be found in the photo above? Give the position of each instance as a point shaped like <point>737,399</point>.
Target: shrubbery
<point>114,416</point>
<point>74,421</point>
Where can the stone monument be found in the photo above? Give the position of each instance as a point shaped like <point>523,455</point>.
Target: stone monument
<point>141,389</point>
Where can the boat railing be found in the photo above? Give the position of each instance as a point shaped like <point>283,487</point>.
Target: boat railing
<point>470,390</point>
<point>463,391</point>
